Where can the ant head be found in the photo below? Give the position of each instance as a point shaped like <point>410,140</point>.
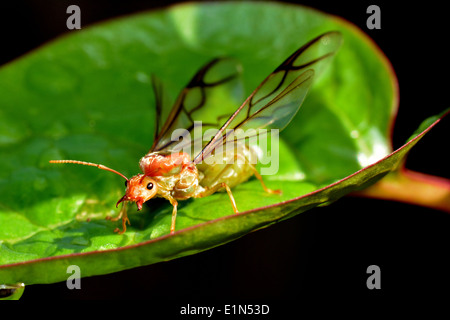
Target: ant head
<point>140,189</point>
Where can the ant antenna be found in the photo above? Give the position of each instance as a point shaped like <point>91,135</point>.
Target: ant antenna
<point>100,166</point>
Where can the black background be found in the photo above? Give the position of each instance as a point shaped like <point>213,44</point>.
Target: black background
<point>323,252</point>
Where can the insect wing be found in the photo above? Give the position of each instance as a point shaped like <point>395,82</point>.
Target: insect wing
<point>160,101</point>
<point>206,102</point>
<point>277,99</point>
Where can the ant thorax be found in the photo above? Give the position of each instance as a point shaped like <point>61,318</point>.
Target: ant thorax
<point>176,175</point>
<point>163,164</point>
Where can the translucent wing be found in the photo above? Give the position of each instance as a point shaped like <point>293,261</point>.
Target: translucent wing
<point>206,102</point>
<point>277,99</point>
<point>160,100</point>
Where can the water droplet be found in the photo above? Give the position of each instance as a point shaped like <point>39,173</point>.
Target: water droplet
<point>108,246</point>
<point>80,241</point>
<point>40,183</point>
<point>142,77</point>
<point>48,77</point>
<point>12,133</point>
<point>56,130</point>
<point>354,134</point>
<point>98,51</point>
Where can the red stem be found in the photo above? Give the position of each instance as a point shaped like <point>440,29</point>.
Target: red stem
<point>412,187</point>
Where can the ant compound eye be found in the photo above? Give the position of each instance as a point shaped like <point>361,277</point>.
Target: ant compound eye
<point>126,183</point>
<point>150,186</point>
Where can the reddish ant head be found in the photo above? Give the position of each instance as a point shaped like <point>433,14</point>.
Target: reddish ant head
<point>140,189</point>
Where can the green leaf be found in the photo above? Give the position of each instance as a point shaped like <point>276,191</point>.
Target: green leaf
<point>11,292</point>
<point>88,96</point>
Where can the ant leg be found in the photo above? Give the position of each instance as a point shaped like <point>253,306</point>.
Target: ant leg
<point>119,216</point>
<point>122,215</point>
<point>208,191</point>
<point>124,225</point>
<point>233,202</point>
<point>259,177</point>
<point>174,203</point>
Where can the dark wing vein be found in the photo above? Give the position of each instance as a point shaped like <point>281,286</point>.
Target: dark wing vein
<point>274,103</point>
<point>198,102</point>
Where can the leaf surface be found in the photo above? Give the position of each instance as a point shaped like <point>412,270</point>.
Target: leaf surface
<point>88,96</point>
